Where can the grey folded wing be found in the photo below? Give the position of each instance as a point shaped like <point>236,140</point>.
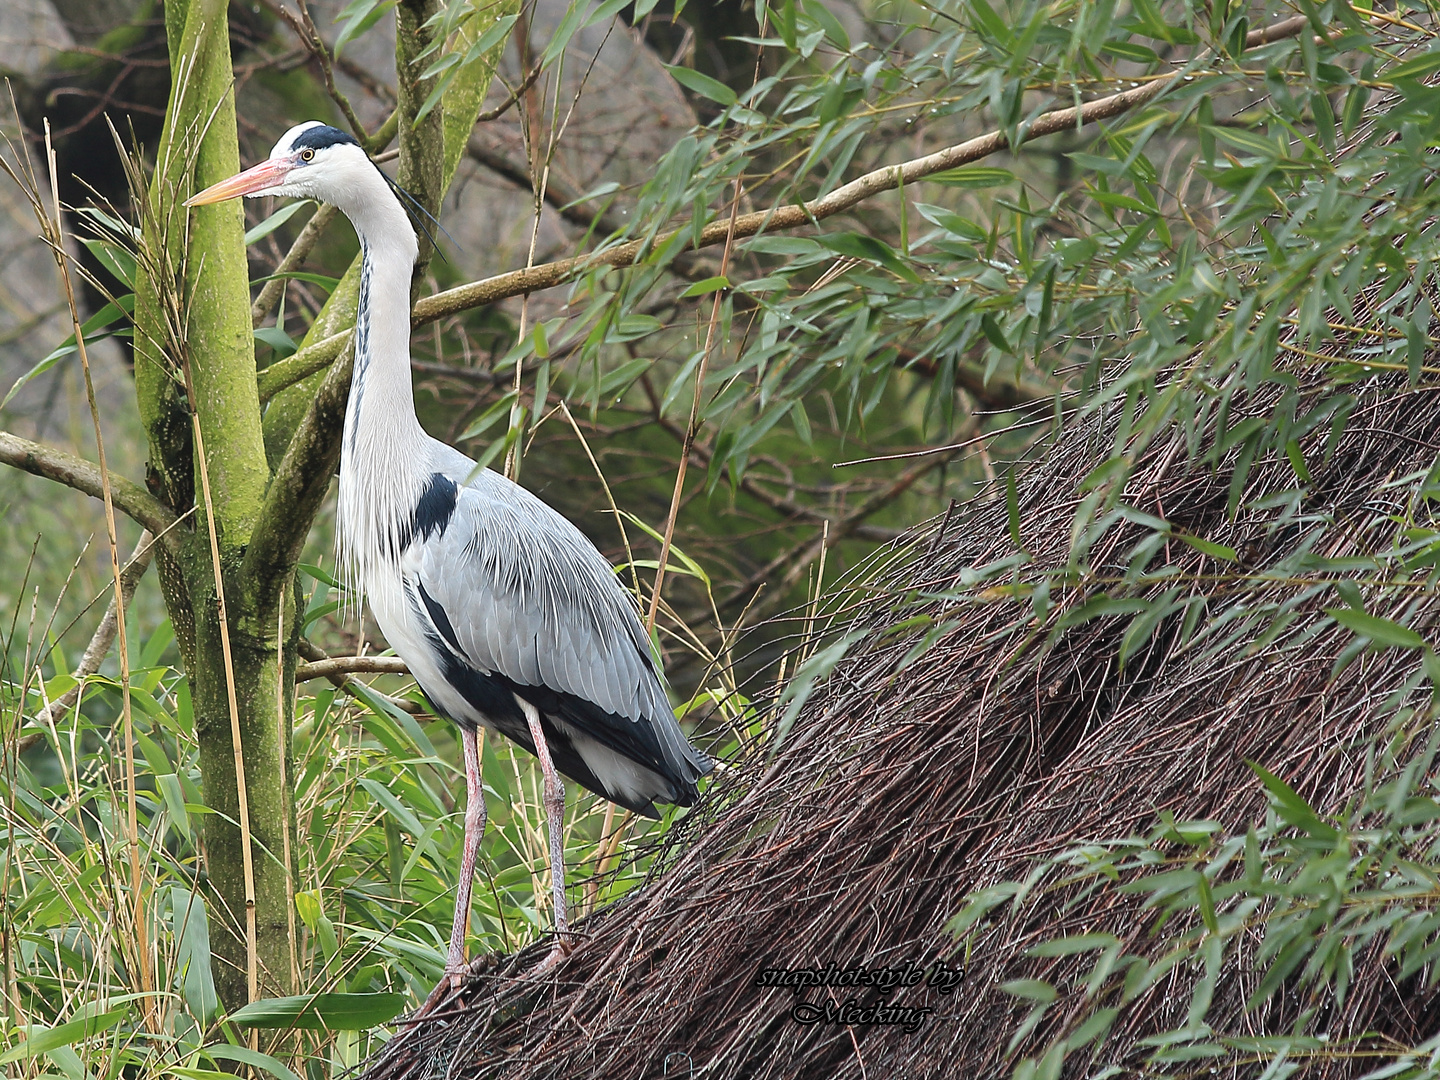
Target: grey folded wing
<point>528,598</point>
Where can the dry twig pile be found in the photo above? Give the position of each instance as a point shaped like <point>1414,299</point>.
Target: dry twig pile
<point>898,792</point>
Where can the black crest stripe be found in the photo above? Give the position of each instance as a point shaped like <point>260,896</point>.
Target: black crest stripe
<point>317,138</point>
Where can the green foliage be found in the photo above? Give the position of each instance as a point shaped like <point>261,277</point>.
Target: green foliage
<point>1284,907</point>
<point>1261,232</point>
<point>380,820</point>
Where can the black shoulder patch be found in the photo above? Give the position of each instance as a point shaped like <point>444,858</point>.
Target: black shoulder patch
<point>432,512</point>
<point>440,619</point>
<point>317,138</point>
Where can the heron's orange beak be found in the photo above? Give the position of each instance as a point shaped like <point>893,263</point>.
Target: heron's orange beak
<point>267,174</point>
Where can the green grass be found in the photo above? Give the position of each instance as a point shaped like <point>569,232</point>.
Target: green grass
<point>108,969</point>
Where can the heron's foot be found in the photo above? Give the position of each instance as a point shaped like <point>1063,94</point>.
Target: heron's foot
<point>446,991</point>
<point>563,947</point>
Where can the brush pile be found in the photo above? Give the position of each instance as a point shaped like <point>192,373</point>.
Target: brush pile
<point>902,788</point>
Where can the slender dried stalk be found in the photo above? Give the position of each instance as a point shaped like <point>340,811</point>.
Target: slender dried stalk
<point>56,236</point>
<point>252,941</point>
<point>692,428</point>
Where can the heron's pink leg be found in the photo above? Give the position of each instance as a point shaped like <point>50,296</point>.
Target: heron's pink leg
<point>474,831</point>
<point>555,813</point>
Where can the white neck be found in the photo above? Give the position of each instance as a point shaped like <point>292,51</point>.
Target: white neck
<point>383,461</point>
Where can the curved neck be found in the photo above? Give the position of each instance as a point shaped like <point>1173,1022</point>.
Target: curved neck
<point>381,410</point>
<point>383,456</point>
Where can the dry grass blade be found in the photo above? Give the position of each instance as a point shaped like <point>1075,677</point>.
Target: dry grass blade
<point>53,229</point>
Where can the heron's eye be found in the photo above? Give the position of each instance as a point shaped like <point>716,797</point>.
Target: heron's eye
<point>307,154</point>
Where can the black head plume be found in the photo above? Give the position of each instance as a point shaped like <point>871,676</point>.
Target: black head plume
<point>421,218</point>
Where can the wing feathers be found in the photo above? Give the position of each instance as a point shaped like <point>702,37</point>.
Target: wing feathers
<point>517,591</point>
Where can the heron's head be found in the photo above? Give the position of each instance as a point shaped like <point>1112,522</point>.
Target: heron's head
<point>311,161</point>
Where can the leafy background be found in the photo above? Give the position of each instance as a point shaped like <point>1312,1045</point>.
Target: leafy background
<point>1270,214</point>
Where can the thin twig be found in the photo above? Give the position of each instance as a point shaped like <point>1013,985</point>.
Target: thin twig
<point>797,559</point>
<point>309,36</point>
<point>490,115</point>
<point>252,941</point>
<point>792,215</point>
<point>56,229</point>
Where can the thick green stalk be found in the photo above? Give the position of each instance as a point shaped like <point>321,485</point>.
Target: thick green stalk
<point>422,142</point>
<point>195,351</point>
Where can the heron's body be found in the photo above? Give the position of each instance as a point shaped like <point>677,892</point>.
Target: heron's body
<point>504,612</point>
<point>489,594</point>
<point>547,624</point>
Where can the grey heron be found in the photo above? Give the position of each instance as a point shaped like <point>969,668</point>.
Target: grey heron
<point>506,615</point>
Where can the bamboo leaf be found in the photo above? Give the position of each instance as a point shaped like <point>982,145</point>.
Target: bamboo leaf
<point>1381,632</point>
<point>704,85</point>
<point>274,221</point>
<point>253,1058</point>
<point>92,329</point>
<point>1030,990</point>
<point>191,929</point>
<point>42,1040</point>
<point>321,1012</point>
<point>360,16</point>
<point>704,288</point>
<point>972,176</point>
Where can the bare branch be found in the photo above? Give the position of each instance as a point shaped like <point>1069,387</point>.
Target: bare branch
<point>351,665</point>
<point>84,476</point>
<point>790,216</point>
<point>304,27</point>
<point>339,671</point>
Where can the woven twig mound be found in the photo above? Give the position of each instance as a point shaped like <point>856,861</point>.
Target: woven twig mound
<point>896,792</point>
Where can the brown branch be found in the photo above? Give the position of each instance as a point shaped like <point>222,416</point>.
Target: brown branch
<point>304,27</point>
<point>790,216</point>
<point>84,476</point>
<point>340,676</point>
<point>479,376</point>
<point>351,665</point>
<point>491,115</point>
